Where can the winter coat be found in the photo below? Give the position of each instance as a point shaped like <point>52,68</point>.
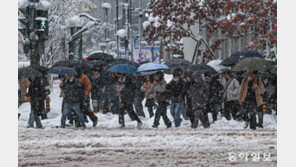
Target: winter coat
<point>185,93</point>
<point>159,91</point>
<point>24,85</point>
<point>127,89</point>
<point>231,88</point>
<point>73,90</point>
<point>243,90</point>
<point>215,88</point>
<point>176,88</point>
<point>37,88</point>
<point>139,82</point>
<point>87,84</point>
<point>198,93</point>
<point>97,86</point>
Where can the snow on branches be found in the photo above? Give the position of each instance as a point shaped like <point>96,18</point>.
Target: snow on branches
<point>234,19</point>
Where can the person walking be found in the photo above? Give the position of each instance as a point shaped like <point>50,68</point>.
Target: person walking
<point>85,104</point>
<point>73,94</point>
<point>150,102</point>
<point>158,92</point>
<point>198,94</point>
<point>97,83</point>
<point>125,93</point>
<point>36,92</point>
<point>187,103</point>
<point>231,87</point>
<point>139,96</point>
<point>214,104</point>
<point>250,97</point>
<point>175,86</point>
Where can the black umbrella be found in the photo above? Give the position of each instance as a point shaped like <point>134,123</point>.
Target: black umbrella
<point>68,63</point>
<point>95,63</point>
<point>238,56</point>
<point>253,64</point>
<point>62,70</point>
<point>175,63</point>
<point>28,72</point>
<point>41,69</point>
<point>202,68</point>
<point>101,56</point>
<point>261,74</point>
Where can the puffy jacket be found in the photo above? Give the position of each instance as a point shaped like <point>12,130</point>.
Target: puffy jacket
<point>176,88</point>
<point>198,93</point>
<point>231,88</point>
<point>73,90</point>
<point>159,91</point>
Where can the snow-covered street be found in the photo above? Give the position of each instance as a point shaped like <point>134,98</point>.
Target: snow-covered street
<point>107,145</point>
<point>146,147</point>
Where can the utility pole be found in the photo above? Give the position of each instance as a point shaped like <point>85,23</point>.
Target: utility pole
<point>117,24</point>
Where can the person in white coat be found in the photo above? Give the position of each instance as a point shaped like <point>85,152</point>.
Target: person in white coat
<point>231,89</point>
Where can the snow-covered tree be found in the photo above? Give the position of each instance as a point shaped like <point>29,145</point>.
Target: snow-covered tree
<point>173,20</point>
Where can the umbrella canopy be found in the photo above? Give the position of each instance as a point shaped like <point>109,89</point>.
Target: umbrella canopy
<point>101,56</point>
<point>95,63</point>
<point>68,63</point>
<point>41,69</point>
<point>122,69</point>
<point>202,68</point>
<point>151,67</point>
<point>144,62</point>
<point>260,74</point>
<point>246,53</point>
<point>238,56</point>
<point>145,73</point>
<point>253,64</point>
<point>176,63</point>
<point>124,61</point>
<point>28,72</point>
<point>62,70</point>
<point>216,65</point>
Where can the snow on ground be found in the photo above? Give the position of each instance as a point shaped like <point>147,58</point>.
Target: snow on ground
<point>107,145</point>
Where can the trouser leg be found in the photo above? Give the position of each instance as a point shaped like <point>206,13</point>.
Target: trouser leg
<point>131,112</point>
<point>227,109</point>
<point>260,118</point>
<point>158,113</point>
<point>76,108</point>
<point>65,112</point>
<point>165,118</point>
<point>138,105</point>
<point>121,116</point>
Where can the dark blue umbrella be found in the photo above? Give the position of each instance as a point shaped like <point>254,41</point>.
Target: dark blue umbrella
<point>152,67</point>
<point>238,56</point>
<point>62,70</point>
<point>95,63</point>
<point>124,61</point>
<point>246,53</point>
<point>123,69</point>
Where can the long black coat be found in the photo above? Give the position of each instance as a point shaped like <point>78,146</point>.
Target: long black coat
<point>97,86</point>
<point>185,94</point>
<point>128,91</point>
<point>214,91</point>
<point>198,93</point>
<point>176,89</point>
<point>37,94</point>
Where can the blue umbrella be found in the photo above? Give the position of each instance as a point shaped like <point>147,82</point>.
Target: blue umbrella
<point>122,68</point>
<point>62,70</point>
<point>152,67</point>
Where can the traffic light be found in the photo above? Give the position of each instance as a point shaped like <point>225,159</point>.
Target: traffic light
<point>41,24</point>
